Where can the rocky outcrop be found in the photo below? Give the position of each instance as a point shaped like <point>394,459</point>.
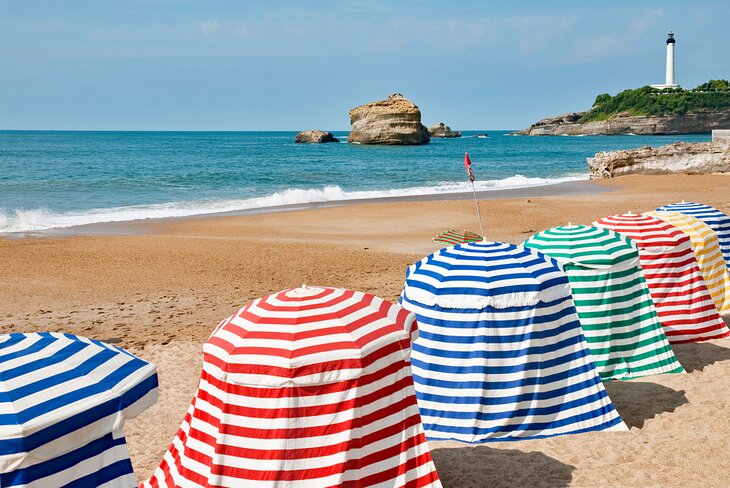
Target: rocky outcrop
<point>315,137</point>
<point>442,130</point>
<point>395,120</point>
<point>623,123</point>
<point>551,125</point>
<point>680,157</point>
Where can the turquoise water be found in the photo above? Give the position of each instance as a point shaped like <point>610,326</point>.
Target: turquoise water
<point>53,179</point>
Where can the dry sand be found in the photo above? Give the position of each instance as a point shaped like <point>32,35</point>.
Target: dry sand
<point>159,290</point>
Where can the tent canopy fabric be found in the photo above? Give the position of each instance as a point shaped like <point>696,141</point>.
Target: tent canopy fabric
<point>455,236</point>
<point>483,274</point>
<point>706,248</point>
<point>308,346</point>
<point>585,246</point>
<point>505,369</point>
<point>681,297</point>
<point>716,219</point>
<point>306,387</point>
<point>613,302</point>
<point>63,404</point>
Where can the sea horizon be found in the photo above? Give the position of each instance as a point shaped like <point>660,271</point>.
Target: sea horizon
<point>292,131</point>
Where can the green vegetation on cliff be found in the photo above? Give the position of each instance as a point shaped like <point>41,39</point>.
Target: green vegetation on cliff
<point>713,96</point>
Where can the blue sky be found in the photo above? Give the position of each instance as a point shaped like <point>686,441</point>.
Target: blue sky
<point>286,65</point>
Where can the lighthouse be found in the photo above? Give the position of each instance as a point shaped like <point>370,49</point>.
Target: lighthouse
<point>669,81</point>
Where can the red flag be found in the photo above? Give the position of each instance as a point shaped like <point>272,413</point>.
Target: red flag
<point>467,167</point>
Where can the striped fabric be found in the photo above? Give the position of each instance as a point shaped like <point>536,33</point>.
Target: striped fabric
<point>63,405</point>
<point>717,220</point>
<point>683,303</point>
<point>309,387</point>
<point>613,302</point>
<point>454,236</point>
<point>707,251</point>
<point>500,353</point>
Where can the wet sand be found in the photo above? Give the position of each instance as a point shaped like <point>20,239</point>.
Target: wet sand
<point>159,288</point>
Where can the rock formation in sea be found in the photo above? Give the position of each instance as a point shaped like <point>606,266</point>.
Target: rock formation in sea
<point>624,123</point>
<point>315,136</point>
<point>680,157</point>
<point>442,130</point>
<point>395,120</point>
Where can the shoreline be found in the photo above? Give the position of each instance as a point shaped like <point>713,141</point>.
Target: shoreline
<point>142,226</point>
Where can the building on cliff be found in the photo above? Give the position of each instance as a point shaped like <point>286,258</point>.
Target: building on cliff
<point>669,81</point>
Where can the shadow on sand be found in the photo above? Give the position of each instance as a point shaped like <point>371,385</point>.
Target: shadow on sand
<point>637,401</point>
<point>499,468</point>
<point>696,355</point>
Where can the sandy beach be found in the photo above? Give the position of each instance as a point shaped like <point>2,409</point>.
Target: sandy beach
<point>158,288</point>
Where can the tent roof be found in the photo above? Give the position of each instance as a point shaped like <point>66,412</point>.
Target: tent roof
<point>456,236</point>
<point>708,214</point>
<point>306,336</point>
<point>485,274</point>
<point>59,392</point>
<point>585,246</point>
<point>645,230</point>
<point>698,231</point>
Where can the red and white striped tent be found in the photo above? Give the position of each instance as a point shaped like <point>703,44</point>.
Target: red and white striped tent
<point>306,387</point>
<point>683,302</point>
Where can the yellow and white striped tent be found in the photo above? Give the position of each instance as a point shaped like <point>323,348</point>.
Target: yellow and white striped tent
<point>706,248</point>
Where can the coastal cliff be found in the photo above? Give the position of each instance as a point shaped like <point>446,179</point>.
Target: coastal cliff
<point>680,157</point>
<point>646,111</point>
<point>623,123</point>
<point>395,121</point>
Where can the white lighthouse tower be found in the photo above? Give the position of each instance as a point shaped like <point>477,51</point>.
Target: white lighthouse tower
<point>669,82</point>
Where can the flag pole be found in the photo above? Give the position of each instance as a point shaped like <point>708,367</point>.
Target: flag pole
<point>479,214</point>
<point>470,172</point>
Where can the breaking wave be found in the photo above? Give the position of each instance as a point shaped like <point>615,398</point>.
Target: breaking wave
<point>22,220</point>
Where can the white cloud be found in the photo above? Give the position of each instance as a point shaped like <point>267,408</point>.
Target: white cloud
<point>209,27</point>
<point>596,47</point>
<point>214,27</point>
<point>240,30</point>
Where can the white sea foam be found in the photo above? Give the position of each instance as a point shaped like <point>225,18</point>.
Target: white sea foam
<point>42,219</point>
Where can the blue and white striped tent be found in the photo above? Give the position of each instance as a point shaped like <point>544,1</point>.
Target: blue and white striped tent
<point>63,403</point>
<point>500,353</point>
<point>717,220</point>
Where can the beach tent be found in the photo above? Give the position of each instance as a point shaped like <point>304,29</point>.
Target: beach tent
<point>613,302</point>
<point>707,251</point>
<point>683,303</point>
<point>454,236</point>
<point>500,353</point>
<point>63,403</point>
<point>308,387</point>
<point>717,220</point>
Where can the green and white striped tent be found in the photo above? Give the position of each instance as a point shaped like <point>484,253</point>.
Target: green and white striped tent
<point>613,302</point>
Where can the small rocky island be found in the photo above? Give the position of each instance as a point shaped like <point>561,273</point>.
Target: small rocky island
<point>395,121</point>
<point>315,137</point>
<point>645,111</point>
<point>680,157</point>
<point>442,130</point>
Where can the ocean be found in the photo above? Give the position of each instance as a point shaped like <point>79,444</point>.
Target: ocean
<point>57,179</point>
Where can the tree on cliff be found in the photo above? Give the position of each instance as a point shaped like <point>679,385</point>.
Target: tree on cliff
<point>711,96</point>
